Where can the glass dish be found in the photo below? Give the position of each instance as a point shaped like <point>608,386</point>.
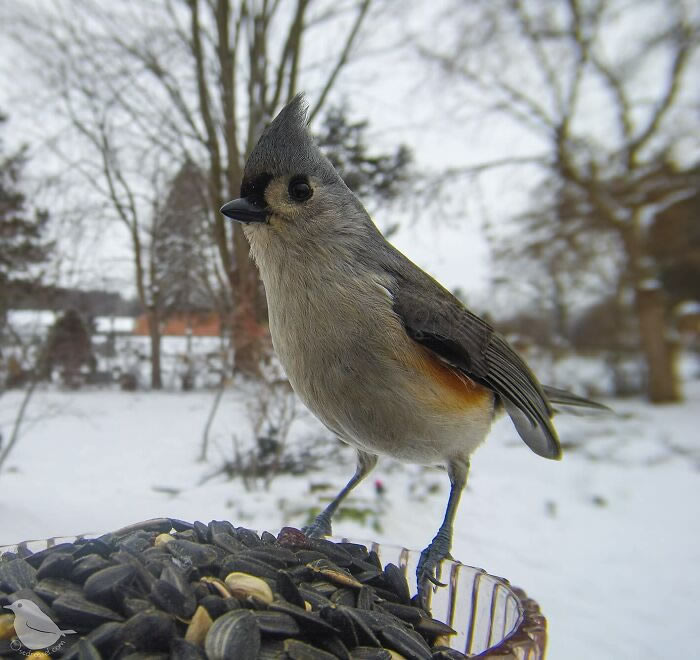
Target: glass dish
<point>493,619</point>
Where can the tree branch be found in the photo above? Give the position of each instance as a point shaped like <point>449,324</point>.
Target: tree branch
<point>342,60</point>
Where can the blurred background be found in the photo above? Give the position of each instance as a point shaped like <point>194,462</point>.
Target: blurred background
<point>541,159</point>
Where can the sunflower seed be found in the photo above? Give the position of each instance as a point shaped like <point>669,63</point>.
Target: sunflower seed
<point>181,649</point>
<point>227,542</point>
<point>199,626</point>
<point>278,624</point>
<point>7,628</point>
<point>81,612</point>
<point>192,554</point>
<point>87,650</point>
<point>310,622</point>
<point>101,586</point>
<point>286,587</point>
<point>169,598</point>
<point>365,598</point>
<point>17,574</point>
<point>132,606</point>
<point>238,564</point>
<point>334,573</point>
<point>396,579</point>
<point>51,588</point>
<point>297,650</point>
<point>243,585</point>
<point>84,567</point>
<point>105,638</point>
<point>369,653</point>
<point>446,653</point>
<point>148,631</point>
<point>233,635</point>
<point>407,642</point>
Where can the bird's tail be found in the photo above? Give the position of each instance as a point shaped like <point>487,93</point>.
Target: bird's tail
<point>68,632</point>
<point>564,398</point>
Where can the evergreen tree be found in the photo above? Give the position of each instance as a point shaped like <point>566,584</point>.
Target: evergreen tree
<point>22,246</point>
<point>377,177</point>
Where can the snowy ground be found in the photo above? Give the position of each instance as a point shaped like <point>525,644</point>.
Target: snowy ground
<point>607,540</point>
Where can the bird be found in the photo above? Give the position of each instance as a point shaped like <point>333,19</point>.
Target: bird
<point>34,628</point>
<point>385,356</point>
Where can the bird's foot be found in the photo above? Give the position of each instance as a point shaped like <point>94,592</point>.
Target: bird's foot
<point>428,571</point>
<point>320,527</point>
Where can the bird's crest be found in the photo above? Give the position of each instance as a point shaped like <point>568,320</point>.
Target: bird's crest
<point>286,147</point>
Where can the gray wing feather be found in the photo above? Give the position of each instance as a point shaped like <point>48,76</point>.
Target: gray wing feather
<point>433,317</point>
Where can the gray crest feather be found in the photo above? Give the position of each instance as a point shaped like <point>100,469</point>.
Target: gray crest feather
<point>286,147</point>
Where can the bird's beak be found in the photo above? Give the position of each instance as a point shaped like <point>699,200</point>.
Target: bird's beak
<point>8,607</point>
<point>242,210</point>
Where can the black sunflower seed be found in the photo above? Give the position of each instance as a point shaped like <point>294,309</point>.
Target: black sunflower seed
<point>102,586</point>
<point>83,613</point>
<point>277,623</point>
<point>369,653</point>
<point>17,574</point>
<point>234,635</point>
<point>87,650</point>
<point>239,564</point>
<point>344,596</point>
<point>365,598</point>
<point>105,638</point>
<point>446,653</point>
<point>84,567</point>
<point>148,631</point>
<point>192,554</point>
<point>247,537</point>
<point>182,650</point>
<point>227,542</point>
<point>170,599</point>
<point>297,650</point>
<point>310,622</point>
<point>406,642</point>
<point>51,588</point>
<point>396,579</point>
<point>287,588</point>
<point>37,558</point>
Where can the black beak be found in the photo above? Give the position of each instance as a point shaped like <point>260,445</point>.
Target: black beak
<point>242,210</point>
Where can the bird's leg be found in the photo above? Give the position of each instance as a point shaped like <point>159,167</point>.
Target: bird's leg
<point>321,526</point>
<point>439,548</point>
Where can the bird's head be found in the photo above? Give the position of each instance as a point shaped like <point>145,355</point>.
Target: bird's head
<point>24,606</point>
<point>290,191</point>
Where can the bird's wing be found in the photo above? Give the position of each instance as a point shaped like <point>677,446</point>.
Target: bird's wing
<point>565,398</point>
<point>40,626</point>
<point>433,317</point>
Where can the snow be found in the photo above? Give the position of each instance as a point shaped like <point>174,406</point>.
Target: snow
<point>607,540</point>
<point>117,324</point>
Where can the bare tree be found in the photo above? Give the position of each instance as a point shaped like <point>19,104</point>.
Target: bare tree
<point>603,91</point>
<point>147,86</point>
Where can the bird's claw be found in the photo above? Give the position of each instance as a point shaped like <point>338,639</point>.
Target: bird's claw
<point>319,528</point>
<point>428,570</point>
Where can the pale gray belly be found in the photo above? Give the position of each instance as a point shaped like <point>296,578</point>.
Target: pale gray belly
<point>371,400</point>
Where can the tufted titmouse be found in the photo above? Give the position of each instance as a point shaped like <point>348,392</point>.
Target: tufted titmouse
<point>385,357</point>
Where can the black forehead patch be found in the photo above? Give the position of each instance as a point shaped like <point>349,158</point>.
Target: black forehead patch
<point>253,188</point>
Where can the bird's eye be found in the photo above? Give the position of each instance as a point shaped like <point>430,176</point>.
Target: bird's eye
<point>299,189</point>
<point>19,604</point>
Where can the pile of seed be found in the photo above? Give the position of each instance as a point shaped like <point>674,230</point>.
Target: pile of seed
<point>168,588</point>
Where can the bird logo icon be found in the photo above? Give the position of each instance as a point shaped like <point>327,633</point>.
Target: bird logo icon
<point>34,628</point>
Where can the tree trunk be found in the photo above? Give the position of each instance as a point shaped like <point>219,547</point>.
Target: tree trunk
<point>250,338</point>
<point>663,385</point>
<point>154,332</point>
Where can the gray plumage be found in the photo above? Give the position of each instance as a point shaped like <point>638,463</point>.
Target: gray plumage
<point>385,356</point>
